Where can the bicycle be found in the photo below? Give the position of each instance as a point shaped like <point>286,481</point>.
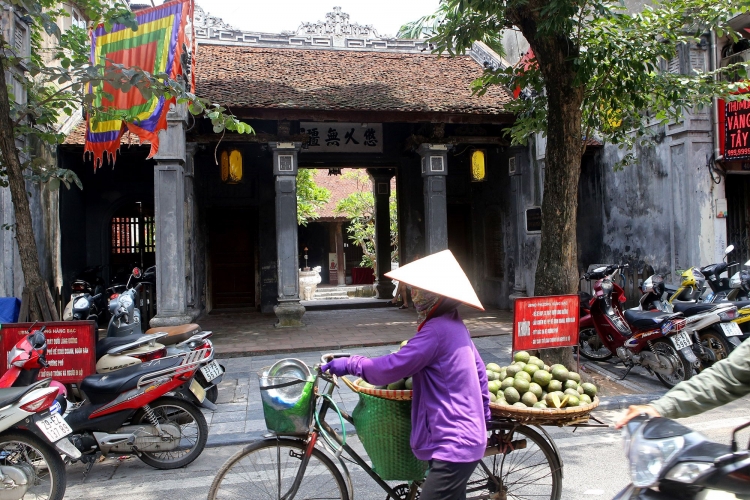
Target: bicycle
<point>519,462</point>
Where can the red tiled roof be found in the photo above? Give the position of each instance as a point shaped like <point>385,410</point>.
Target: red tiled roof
<point>78,137</point>
<point>340,187</point>
<point>312,79</point>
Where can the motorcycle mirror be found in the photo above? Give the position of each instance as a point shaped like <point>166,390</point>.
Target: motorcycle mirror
<point>729,250</point>
<point>136,272</point>
<point>746,263</point>
<point>601,269</point>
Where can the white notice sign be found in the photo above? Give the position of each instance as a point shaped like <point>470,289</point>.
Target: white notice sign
<point>342,137</point>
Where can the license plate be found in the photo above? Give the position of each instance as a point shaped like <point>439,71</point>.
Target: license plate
<point>197,390</point>
<point>681,340</point>
<point>54,427</point>
<point>211,371</point>
<point>731,329</point>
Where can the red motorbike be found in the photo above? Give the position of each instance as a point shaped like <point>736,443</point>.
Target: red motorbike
<point>589,344</point>
<point>654,340</point>
<point>136,410</point>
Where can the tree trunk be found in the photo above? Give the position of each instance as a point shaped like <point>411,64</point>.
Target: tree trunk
<point>32,274</point>
<point>556,272</point>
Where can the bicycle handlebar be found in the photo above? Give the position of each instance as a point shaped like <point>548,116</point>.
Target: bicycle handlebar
<point>325,358</point>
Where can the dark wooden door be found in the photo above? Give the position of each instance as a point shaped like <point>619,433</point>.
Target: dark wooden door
<point>232,252</point>
<point>459,235</point>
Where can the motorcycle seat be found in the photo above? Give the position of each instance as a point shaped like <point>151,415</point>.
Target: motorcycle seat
<point>176,334</point>
<point>647,319</point>
<point>104,345</point>
<point>739,304</point>
<point>12,394</point>
<point>692,308</point>
<point>104,387</point>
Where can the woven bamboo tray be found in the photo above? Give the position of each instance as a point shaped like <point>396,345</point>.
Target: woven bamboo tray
<point>395,395</point>
<point>545,416</point>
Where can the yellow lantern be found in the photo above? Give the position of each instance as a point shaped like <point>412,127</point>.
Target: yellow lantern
<point>231,166</point>
<point>477,165</point>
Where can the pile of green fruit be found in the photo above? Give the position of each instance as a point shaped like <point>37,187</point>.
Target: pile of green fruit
<point>528,382</point>
<point>403,384</point>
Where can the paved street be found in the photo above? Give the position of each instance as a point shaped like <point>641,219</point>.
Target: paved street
<point>595,466</point>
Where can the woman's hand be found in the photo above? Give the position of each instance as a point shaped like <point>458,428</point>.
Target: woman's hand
<point>636,410</point>
<point>336,367</point>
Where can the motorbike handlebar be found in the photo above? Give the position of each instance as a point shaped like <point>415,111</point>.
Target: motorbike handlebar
<point>43,362</point>
<point>608,271</point>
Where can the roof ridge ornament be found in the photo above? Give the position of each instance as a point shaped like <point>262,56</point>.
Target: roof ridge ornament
<point>205,20</point>
<point>337,25</point>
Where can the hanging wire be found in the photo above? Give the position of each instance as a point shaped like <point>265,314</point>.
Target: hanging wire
<point>711,165</point>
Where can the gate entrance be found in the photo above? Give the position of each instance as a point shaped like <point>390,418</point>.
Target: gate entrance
<point>232,243</point>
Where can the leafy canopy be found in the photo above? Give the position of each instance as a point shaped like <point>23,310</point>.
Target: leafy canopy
<point>618,58</point>
<point>59,71</point>
<point>310,196</point>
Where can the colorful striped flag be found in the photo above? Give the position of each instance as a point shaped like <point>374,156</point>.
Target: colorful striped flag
<point>156,47</point>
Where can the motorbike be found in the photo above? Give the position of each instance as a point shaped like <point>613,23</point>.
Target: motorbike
<point>668,461</point>
<point>91,285</point>
<point>654,340</point>
<point>692,286</point>
<point>32,440</point>
<point>711,325</point>
<point>143,409</point>
<point>720,287</point>
<point>590,345</point>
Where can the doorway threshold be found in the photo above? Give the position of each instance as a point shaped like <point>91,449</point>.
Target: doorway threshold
<point>352,303</point>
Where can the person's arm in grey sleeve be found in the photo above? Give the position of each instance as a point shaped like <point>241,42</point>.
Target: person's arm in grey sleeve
<point>725,381</point>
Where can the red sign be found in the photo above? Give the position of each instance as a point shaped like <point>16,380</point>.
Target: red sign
<point>545,322</point>
<point>71,348</point>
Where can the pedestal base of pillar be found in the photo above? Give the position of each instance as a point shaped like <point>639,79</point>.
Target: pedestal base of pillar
<point>384,289</point>
<point>158,321</point>
<point>289,314</point>
<point>518,293</point>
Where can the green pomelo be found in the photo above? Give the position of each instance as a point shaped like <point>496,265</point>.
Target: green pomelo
<point>493,386</point>
<point>574,376</point>
<point>404,343</point>
<point>585,400</point>
<point>523,376</point>
<point>397,386</point>
<point>556,366</point>
<point>570,384</point>
<point>529,399</point>
<point>554,385</point>
<point>365,384</point>
<point>571,392</point>
<point>542,377</point>
<point>536,361</point>
<point>493,376</point>
<point>501,400</point>
<point>530,369</point>
<point>503,373</point>
<point>519,404</point>
<point>512,370</point>
<point>520,364</point>
<point>573,401</point>
<point>522,356</point>
<point>579,389</point>
<point>408,384</point>
<point>511,395</point>
<point>540,404</point>
<point>508,382</point>
<point>521,385</point>
<point>547,368</point>
<point>493,398</point>
<point>560,373</point>
<point>536,390</point>
<point>589,389</point>
<point>493,367</point>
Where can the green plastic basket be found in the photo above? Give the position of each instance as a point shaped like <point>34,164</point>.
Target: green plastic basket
<point>287,415</point>
<point>384,427</point>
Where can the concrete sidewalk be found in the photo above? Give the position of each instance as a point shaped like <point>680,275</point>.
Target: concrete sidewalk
<point>243,333</point>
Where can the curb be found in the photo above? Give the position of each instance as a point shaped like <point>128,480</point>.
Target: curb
<point>605,403</point>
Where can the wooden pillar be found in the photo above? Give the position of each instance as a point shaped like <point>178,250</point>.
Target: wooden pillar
<point>340,253</point>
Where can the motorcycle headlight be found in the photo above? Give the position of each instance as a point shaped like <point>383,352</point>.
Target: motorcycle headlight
<point>125,300</point>
<point>687,472</point>
<point>648,457</point>
<point>81,303</point>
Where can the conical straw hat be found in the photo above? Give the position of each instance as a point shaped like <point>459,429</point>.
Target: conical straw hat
<point>439,273</point>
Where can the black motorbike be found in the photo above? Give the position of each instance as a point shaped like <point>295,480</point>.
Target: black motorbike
<point>89,285</point>
<point>668,461</point>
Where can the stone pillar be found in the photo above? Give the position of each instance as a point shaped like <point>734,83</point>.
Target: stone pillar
<point>381,192</point>
<point>288,311</point>
<point>434,172</point>
<point>169,206</point>
<point>340,253</point>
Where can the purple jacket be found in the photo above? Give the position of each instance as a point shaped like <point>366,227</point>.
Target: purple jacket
<point>451,402</point>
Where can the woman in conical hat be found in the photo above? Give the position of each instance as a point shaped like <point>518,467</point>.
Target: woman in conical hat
<point>450,403</point>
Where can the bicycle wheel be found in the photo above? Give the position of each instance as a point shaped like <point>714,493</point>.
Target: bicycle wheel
<point>528,469</point>
<point>267,469</point>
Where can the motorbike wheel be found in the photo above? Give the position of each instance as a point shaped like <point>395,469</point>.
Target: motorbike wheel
<point>591,347</point>
<point>717,342</point>
<point>193,430</point>
<point>684,369</point>
<point>26,451</point>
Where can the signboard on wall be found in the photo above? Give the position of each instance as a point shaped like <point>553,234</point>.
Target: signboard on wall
<point>545,322</point>
<point>737,130</point>
<point>71,351</point>
<point>534,220</point>
<point>328,137</point>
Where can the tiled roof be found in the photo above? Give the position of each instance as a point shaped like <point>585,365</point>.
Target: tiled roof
<point>316,79</point>
<point>340,187</point>
<point>78,137</point>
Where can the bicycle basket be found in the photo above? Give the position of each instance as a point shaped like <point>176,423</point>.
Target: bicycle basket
<point>384,427</point>
<point>287,392</point>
